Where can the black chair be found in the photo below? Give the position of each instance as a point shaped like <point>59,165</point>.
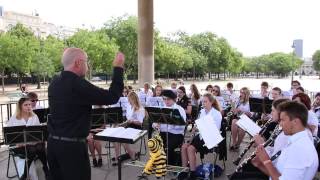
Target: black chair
<point>12,155</point>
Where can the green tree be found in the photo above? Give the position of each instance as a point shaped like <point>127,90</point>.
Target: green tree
<point>124,30</point>
<point>316,61</point>
<point>5,56</point>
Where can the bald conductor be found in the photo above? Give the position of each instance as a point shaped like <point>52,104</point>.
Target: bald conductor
<point>70,99</point>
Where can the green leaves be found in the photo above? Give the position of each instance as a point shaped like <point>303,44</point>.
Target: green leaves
<point>316,60</point>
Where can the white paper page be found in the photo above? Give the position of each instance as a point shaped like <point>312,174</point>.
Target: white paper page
<point>209,131</point>
<point>248,125</point>
<point>120,132</point>
<point>155,101</point>
<point>110,132</point>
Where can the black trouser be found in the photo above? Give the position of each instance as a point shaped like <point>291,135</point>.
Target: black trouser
<point>68,160</point>
<point>38,150</point>
<point>175,141</point>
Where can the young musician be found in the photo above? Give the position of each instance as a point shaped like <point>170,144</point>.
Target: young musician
<point>249,170</point>
<point>194,95</point>
<point>156,93</point>
<point>188,151</point>
<point>312,122</point>
<point>241,107</point>
<point>298,160</point>
<point>175,132</point>
<point>294,85</point>
<point>135,115</point>
<point>24,116</point>
<point>183,100</point>
<point>316,105</point>
<point>34,99</point>
<point>232,96</point>
<point>209,88</point>
<point>276,93</point>
<point>216,92</point>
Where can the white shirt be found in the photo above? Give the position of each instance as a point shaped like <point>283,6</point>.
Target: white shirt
<point>221,102</point>
<point>32,121</point>
<point>299,159</point>
<point>215,114</point>
<point>280,142</point>
<point>244,107</point>
<point>174,129</point>
<point>135,115</point>
<point>313,120</point>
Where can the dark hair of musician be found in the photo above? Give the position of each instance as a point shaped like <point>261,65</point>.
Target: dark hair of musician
<point>183,89</point>
<point>218,87</point>
<point>304,98</point>
<point>318,94</point>
<point>32,95</point>
<point>295,81</point>
<point>295,110</point>
<point>212,99</point>
<point>264,83</point>
<point>277,89</point>
<point>209,87</point>
<point>300,88</point>
<point>276,103</point>
<point>229,85</point>
<point>195,92</point>
<point>134,99</point>
<point>19,108</point>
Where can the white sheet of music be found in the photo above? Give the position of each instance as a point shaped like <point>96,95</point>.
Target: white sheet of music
<point>209,131</point>
<point>248,125</point>
<point>120,132</point>
<point>155,101</point>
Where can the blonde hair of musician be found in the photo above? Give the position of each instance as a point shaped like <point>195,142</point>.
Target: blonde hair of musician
<point>134,101</point>
<point>247,95</point>
<point>213,100</point>
<point>19,109</point>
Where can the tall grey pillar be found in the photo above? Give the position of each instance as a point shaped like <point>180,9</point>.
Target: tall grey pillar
<point>145,42</point>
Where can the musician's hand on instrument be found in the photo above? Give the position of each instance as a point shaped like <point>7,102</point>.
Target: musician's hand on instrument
<point>258,140</point>
<point>262,154</point>
<point>255,162</point>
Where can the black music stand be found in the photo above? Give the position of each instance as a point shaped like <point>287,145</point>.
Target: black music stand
<point>23,135</point>
<point>260,105</point>
<point>113,115</point>
<point>97,118</point>
<point>42,114</point>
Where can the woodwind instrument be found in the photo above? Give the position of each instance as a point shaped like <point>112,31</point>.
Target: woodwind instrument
<point>269,142</point>
<point>262,131</point>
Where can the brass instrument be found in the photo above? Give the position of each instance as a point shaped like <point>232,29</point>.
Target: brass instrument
<point>262,131</point>
<point>269,142</point>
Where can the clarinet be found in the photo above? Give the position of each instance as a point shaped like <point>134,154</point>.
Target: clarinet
<point>262,131</point>
<point>270,141</point>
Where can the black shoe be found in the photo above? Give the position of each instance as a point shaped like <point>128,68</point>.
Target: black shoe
<point>94,162</point>
<point>99,162</point>
<point>183,176</point>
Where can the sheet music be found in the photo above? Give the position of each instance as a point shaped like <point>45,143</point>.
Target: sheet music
<point>120,132</point>
<point>124,103</point>
<point>209,131</point>
<point>155,101</point>
<point>248,125</point>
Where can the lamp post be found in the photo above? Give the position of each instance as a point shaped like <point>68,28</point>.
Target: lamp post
<point>293,54</point>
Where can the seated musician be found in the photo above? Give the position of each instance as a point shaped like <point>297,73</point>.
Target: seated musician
<point>194,95</point>
<point>175,132</point>
<point>276,93</point>
<point>188,150</point>
<point>242,107</point>
<point>24,116</point>
<point>95,145</point>
<point>34,99</point>
<point>316,105</point>
<point>312,121</point>
<point>232,96</point>
<point>156,93</point>
<point>209,88</point>
<point>249,170</point>
<point>146,91</point>
<point>135,115</point>
<point>298,160</point>
<point>183,100</point>
<point>216,92</point>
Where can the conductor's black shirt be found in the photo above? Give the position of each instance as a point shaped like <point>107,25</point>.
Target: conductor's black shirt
<point>71,98</point>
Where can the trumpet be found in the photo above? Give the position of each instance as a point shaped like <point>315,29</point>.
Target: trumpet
<point>269,142</point>
<point>262,131</point>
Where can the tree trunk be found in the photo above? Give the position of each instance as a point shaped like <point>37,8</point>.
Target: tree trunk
<point>38,82</point>
<point>2,80</point>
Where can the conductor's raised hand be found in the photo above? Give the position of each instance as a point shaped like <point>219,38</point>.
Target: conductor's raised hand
<point>119,60</point>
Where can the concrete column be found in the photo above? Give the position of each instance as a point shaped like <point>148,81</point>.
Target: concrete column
<point>145,42</point>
